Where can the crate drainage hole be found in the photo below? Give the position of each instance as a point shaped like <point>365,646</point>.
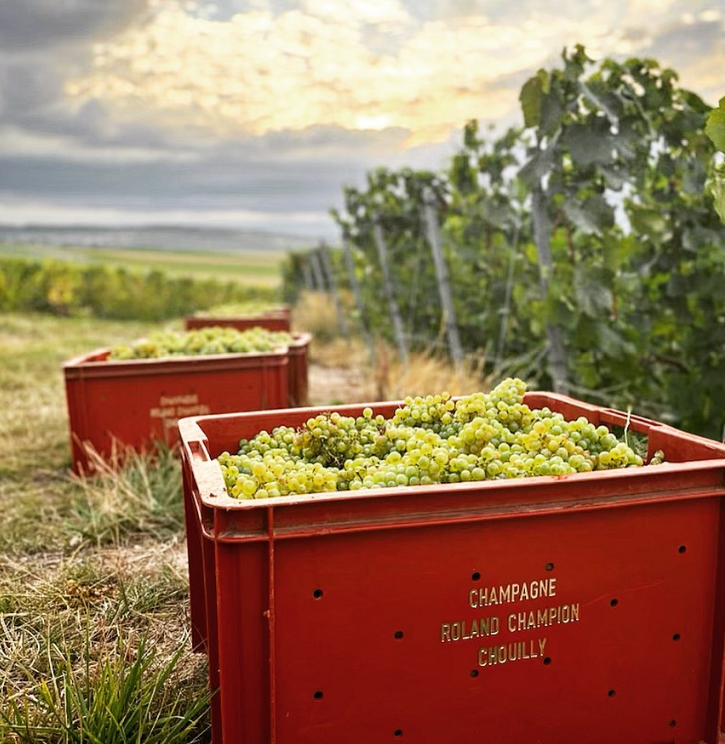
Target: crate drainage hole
<point>612,693</point>
<point>398,634</point>
<point>614,602</point>
<point>547,660</point>
<point>317,695</point>
<point>682,549</point>
<point>317,593</point>
<point>398,733</point>
<point>475,576</point>
<point>676,637</point>
<point>549,566</point>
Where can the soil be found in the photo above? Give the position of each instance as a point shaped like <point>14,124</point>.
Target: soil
<point>336,385</point>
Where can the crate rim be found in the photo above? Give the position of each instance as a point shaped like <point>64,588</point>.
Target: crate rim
<point>97,359</point>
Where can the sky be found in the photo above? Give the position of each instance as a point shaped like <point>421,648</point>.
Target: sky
<point>255,113</point>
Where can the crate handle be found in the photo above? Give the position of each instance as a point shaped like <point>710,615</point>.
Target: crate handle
<point>207,480</point>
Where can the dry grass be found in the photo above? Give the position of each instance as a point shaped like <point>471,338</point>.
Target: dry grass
<point>345,370</point>
<point>93,576</point>
<point>342,372</point>
<point>315,314</point>
<point>427,374</point>
<point>80,632</point>
<point>93,573</point>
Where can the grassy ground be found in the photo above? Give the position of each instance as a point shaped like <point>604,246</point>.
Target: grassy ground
<point>93,578</point>
<point>248,267</point>
<point>93,574</point>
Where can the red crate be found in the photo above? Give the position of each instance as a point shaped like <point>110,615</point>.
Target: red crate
<point>115,404</point>
<point>274,320</point>
<point>298,370</point>
<point>398,614</point>
<point>278,320</point>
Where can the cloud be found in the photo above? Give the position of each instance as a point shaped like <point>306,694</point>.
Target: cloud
<point>387,13</point>
<point>31,25</point>
<point>268,106</point>
<point>273,176</point>
<point>258,71</point>
<point>23,212</point>
<point>42,43</point>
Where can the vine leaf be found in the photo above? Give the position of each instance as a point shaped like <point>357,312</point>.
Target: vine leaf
<point>612,343</point>
<point>590,143</point>
<point>648,222</point>
<point>592,296</point>
<point>551,113</point>
<point>590,216</point>
<point>537,166</point>
<point>617,251</point>
<point>531,96</point>
<point>715,127</point>
<point>717,189</point>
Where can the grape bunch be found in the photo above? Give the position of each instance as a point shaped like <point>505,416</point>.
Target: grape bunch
<point>212,340</point>
<point>231,309</point>
<point>427,440</point>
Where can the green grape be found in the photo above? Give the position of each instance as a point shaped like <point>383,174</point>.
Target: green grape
<point>229,310</point>
<point>427,440</point>
<point>204,341</point>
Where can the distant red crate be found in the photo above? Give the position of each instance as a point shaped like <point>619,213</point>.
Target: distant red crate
<point>582,609</point>
<point>133,403</point>
<point>274,320</point>
<point>298,357</point>
<point>298,370</point>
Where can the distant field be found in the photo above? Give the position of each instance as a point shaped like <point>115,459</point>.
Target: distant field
<point>247,267</point>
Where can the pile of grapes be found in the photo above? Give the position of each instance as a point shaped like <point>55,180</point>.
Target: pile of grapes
<point>213,340</point>
<point>239,308</point>
<point>428,440</point>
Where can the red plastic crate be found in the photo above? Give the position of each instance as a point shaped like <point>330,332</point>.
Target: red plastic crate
<point>278,320</point>
<point>396,614</point>
<point>274,320</point>
<point>115,404</point>
<point>298,370</point>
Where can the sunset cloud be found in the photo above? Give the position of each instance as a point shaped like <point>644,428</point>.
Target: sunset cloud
<point>347,63</point>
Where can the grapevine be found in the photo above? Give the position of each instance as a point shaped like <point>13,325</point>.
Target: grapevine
<point>589,238</point>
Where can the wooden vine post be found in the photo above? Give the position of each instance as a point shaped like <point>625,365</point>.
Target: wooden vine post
<point>307,275</point>
<point>388,289</point>
<point>542,238</point>
<point>433,235</point>
<point>332,284</point>
<point>357,297</point>
<point>317,271</point>
<point>506,309</point>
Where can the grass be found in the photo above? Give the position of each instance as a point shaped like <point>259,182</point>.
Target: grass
<point>247,267</point>
<point>94,627</point>
<point>366,374</point>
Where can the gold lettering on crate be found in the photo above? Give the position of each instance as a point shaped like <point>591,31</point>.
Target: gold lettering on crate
<point>489,596</point>
<point>513,622</point>
<point>532,619</point>
<point>179,400</point>
<point>489,656</point>
<point>173,407</point>
<point>464,630</point>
